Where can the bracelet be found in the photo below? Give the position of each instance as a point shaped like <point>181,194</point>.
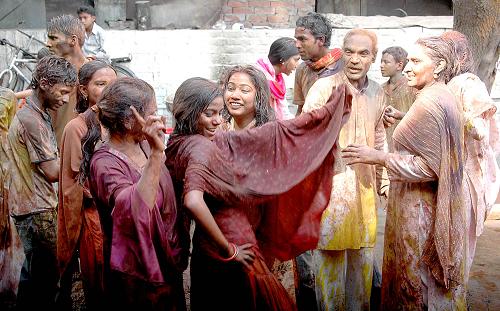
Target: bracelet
<point>236,252</point>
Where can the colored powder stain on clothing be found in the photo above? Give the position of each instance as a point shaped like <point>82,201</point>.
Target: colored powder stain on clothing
<point>349,222</point>
<point>360,215</point>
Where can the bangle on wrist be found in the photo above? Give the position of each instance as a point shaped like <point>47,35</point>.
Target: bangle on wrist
<point>236,252</point>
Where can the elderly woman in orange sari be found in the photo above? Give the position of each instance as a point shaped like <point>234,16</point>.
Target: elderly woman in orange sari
<point>424,255</point>
<point>482,178</point>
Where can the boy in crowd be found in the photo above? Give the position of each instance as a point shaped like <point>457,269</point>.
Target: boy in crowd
<point>34,164</point>
<point>398,95</point>
<point>65,37</point>
<point>94,35</point>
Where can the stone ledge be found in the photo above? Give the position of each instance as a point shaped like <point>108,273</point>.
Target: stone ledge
<point>384,22</point>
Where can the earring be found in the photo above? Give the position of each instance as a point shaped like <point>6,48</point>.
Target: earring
<point>435,75</point>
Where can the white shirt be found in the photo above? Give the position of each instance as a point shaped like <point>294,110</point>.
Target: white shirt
<point>94,42</point>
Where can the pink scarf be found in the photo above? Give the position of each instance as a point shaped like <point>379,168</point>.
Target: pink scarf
<point>276,85</point>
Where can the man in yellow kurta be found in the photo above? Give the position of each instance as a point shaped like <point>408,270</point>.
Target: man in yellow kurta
<point>344,258</point>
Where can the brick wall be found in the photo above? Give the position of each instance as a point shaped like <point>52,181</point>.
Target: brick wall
<point>273,13</point>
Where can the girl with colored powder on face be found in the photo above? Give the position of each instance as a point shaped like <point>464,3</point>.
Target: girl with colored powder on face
<point>247,97</point>
<point>249,207</point>
<point>145,240</point>
<point>424,262</point>
<point>78,221</point>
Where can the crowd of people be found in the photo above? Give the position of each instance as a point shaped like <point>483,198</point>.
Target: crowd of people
<point>90,183</point>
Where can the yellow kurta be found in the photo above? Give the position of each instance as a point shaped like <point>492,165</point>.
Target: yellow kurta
<point>350,220</point>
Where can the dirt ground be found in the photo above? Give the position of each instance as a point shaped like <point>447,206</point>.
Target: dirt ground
<point>484,281</point>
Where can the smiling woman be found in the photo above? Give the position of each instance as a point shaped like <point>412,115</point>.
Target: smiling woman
<point>246,95</point>
<point>249,207</point>
<point>198,102</point>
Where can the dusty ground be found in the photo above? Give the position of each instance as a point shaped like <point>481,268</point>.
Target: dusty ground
<point>484,281</point>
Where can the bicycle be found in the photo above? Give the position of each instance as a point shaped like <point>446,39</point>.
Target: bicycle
<point>18,74</point>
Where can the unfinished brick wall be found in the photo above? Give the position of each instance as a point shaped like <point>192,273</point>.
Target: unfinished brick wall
<point>273,13</point>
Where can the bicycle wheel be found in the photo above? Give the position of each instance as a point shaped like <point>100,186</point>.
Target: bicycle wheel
<point>23,80</point>
<point>8,79</point>
<point>122,71</point>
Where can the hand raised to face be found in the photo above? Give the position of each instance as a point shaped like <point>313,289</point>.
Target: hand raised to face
<point>154,129</point>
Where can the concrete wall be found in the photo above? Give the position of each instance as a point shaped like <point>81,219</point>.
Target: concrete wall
<point>165,58</point>
<point>18,14</point>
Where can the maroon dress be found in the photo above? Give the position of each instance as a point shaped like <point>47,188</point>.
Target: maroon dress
<point>267,186</point>
<point>145,251</point>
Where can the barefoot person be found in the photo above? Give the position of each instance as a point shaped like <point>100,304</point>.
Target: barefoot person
<point>481,168</point>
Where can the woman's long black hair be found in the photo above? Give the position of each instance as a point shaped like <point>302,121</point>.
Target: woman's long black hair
<point>84,76</point>
<point>191,98</point>
<point>263,110</point>
<point>113,113</point>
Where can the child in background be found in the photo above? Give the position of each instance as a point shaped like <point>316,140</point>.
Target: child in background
<point>398,95</point>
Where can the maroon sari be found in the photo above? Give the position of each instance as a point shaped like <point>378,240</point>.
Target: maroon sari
<point>145,251</point>
<point>267,186</point>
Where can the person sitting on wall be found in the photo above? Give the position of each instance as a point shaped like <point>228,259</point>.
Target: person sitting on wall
<point>93,47</point>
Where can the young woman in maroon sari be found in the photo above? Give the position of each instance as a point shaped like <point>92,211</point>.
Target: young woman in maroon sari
<point>249,205</point>
<point>145,249</point>
<point>248,97</point>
